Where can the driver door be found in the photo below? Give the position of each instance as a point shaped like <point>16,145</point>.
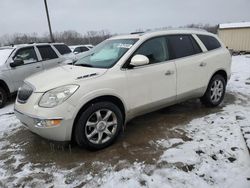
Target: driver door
<point>152,86</point>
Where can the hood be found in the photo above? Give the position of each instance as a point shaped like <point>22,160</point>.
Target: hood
<point>62,75</point>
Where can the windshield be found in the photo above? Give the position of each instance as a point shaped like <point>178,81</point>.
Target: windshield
<point>106,54</point>
<point>4,54</point>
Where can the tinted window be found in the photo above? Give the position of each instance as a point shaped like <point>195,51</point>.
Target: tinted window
<point>155,49</point>
<point>196,47</point>
<point>77,50</point>
<point>210,42</point>
<point>182,46</point>
<point>27,55</point>
<point>47,52</point>
<point>84,49</point>
<point>63,49</point>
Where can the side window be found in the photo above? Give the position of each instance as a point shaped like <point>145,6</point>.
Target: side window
<point>84,49</point>
<point>155,49</point>
<point>77,50</point>
<point>210,42</point>
<point>27,55</point>
<point>62,49</point>
<point>182,46</point>
<point>47,52</point>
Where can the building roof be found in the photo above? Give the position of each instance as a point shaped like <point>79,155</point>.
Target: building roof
<point>234,25</point>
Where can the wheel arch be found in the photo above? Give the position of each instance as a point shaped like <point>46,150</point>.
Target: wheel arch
<point>4,86</point>
<point>221,72</point>
<point>109,98</point>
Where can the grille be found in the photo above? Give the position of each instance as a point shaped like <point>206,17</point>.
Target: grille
<point>24,93</point>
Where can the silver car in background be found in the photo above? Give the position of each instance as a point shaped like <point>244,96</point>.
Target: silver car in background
<point>20,61</point>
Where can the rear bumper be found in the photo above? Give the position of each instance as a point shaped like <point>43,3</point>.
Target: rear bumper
<point>58,133</point>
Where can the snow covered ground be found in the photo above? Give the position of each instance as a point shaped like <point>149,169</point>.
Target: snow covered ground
<point>214,155</point>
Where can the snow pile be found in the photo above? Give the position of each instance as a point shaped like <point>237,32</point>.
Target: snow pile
<point>216,156</point>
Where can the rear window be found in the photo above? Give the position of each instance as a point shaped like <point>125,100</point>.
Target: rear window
<point>63,49</point>
<point>47,52</point>
<point>182,46</point>
<point>210,42</point>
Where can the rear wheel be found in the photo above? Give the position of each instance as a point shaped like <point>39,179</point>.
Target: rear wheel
<point>3,97</point>
<point>98,126</point>
<point>215,91</point>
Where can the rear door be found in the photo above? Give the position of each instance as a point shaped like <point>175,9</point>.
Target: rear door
<point>31,65</point>
<point>190,65</point>
<point>49,58</point>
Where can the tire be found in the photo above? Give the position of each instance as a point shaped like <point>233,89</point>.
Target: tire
<point>3,97</point>
<point>215,91</point>
<point>98,126</point>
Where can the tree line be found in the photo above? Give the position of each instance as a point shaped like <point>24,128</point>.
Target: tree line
<point>68,37</point>
<point>75,38</point>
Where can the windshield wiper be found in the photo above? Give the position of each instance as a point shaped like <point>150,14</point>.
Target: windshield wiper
<point>73,62</point>
<point>84,65</point>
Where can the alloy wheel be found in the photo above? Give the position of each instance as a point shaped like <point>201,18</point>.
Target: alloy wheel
<point>216,91</point>
<point>101,126</point>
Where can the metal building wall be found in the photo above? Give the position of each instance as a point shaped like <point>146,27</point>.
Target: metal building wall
<point>237,39</point>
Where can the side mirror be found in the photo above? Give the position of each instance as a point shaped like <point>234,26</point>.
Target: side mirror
<point>16,63</point>
<point>76,52</point>
<point>139,60</point>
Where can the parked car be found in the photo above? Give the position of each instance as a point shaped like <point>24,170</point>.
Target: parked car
<point>65,51</point>
<point>20,61</point>
<point>81,48</point>
<point>123,77</point>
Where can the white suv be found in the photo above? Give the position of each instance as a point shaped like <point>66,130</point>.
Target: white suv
<point>20,61</point>
<point>123,77</point>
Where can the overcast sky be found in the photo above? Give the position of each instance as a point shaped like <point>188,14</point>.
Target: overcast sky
<point>117,16</point>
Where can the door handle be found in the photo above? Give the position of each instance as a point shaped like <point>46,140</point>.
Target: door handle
<point>38,67</point>
<point>169,72</point>
<point>203,64</point>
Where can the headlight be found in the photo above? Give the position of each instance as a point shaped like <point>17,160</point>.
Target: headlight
<point>57,96</point>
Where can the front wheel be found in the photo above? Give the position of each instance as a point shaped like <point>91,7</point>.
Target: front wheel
<point>215,91</point>
<point>98,126</point>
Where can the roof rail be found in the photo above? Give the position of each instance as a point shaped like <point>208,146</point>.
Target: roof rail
<point>187,28</point>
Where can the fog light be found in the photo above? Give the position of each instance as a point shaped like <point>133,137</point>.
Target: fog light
<point>45,123</point>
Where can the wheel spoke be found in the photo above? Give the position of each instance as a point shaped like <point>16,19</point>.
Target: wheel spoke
<point>91,124</point>
<point>112,123</point>
<point>219,93</point>
<point>108,114</point>
<point>213,95</point>
<point>99,140</point>
<point>110,134</point>
<point>93,133</point>
<point>98,115</point>
<point>216,98</point>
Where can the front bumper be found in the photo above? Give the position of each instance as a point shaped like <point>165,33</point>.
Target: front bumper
<point>61,132</point>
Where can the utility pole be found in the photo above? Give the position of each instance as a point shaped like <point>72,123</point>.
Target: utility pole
<point>47,13</point>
